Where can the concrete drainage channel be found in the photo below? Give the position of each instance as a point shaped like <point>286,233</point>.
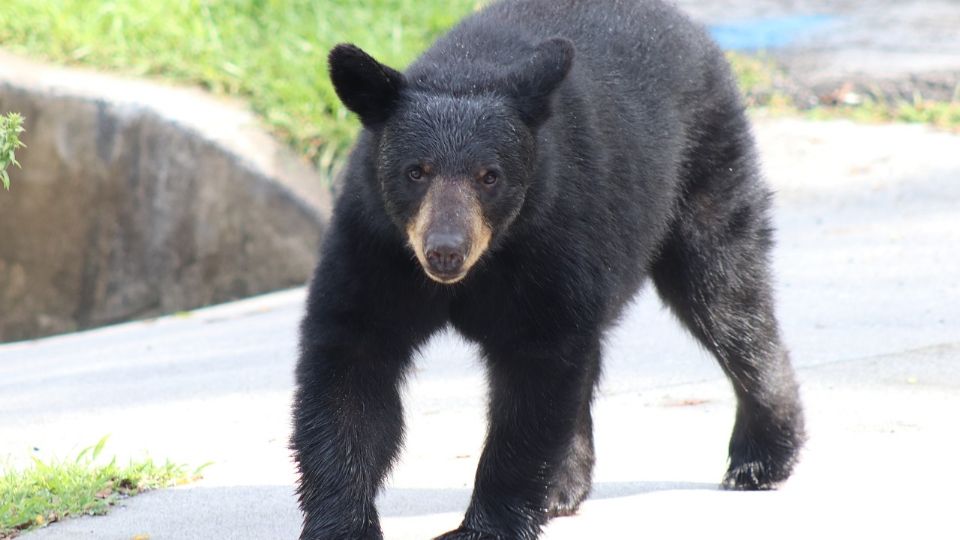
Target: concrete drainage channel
<point>136,200</point>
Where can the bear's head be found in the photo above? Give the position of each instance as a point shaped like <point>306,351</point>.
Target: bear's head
<point>455,154</point>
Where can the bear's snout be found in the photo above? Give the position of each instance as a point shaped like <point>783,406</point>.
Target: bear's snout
<point>448,234</point>
<point>445,253</point>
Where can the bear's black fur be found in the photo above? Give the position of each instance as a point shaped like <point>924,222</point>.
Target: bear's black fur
<point>520,181</point>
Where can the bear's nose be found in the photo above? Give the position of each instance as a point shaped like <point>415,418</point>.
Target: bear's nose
<point>445,253</point>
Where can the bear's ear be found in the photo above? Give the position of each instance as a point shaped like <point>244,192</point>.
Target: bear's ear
<point>364,85</point>
<point>535,78</point>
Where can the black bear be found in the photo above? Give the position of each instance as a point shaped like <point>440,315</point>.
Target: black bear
<point>520,181</point>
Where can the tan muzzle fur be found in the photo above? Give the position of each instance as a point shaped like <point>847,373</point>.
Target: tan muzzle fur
<point>450,205</point>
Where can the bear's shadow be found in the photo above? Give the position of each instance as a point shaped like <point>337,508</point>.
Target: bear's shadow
<point>409,502</point>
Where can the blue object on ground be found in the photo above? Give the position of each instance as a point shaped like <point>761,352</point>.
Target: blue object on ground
<point>768,32</point>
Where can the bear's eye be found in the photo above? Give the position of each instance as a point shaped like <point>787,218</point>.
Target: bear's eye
<point>489,178</point>
<point>415,173</point>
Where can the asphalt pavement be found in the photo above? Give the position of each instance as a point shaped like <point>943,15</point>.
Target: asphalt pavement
<point>866,265</point>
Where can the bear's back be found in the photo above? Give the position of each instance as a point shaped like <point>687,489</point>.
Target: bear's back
<point>642,49</point>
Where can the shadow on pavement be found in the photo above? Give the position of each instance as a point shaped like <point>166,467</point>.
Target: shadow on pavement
<point>408,502</point>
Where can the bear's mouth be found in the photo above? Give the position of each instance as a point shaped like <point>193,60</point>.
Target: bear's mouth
<point>446,279</point>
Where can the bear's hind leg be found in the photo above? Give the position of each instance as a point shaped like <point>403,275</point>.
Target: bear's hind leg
<point>536,399</point>
<point>713,273</point>
<point>573,478</point>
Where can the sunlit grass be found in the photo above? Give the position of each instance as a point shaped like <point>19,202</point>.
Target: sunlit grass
<point>52,490</point>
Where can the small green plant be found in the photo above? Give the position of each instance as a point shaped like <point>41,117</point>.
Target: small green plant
<point>52,490</point>
<point>11,126</point>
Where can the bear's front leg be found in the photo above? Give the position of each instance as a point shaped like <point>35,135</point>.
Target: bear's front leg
<point>347,428</point>
<point>354,349</point>
<point>538,393</point>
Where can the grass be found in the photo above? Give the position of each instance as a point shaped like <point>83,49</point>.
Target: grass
<point>49,491</point>
<point>11,126</point>
<point>269,52</point>
<point>943,115</point>
<point>272,53</point>
<point>762,82</point>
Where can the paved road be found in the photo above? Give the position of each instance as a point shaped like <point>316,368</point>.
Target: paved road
<point>866,263</point>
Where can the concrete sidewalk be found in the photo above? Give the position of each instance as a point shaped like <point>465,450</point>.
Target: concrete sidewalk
<point>867,265</point>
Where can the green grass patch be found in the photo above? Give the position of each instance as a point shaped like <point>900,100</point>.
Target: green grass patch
<point>762,83</point>
<point>269,52</point>
<point>11,126</point>
<point>756,75</point>
<point>49,491</point>
<point>943,115</point>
